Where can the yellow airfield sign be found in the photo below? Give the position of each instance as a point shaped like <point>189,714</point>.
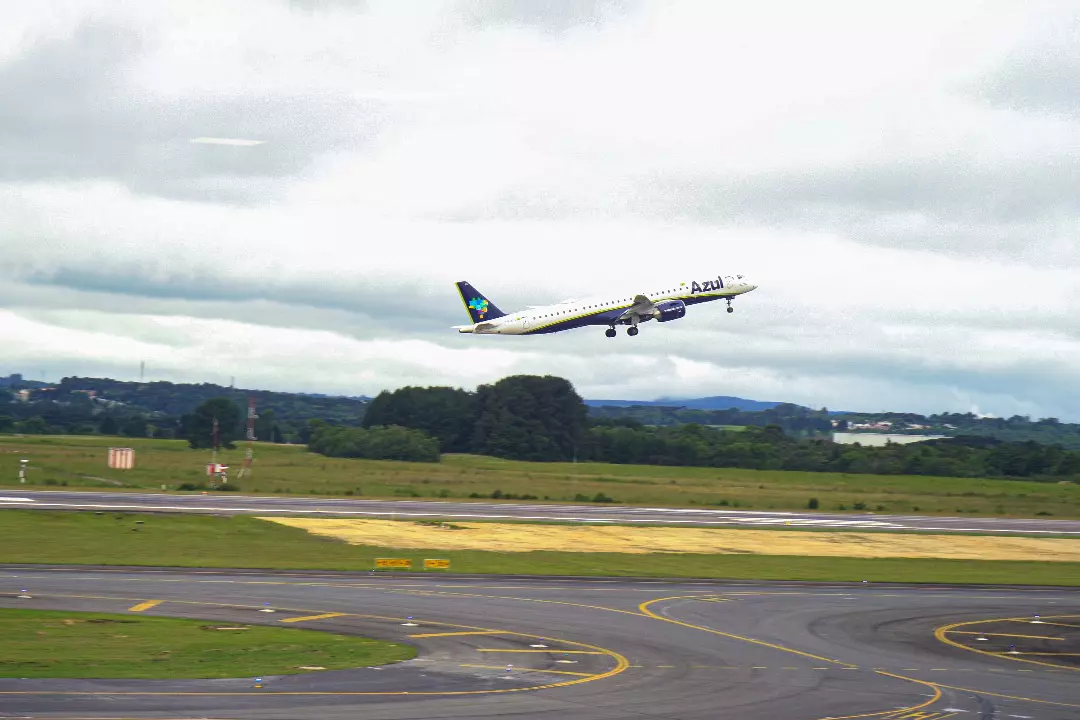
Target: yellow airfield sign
<point>433,564</point>
<point>400,563</point>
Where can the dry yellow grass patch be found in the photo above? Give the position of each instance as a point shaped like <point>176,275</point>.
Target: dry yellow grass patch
<point>640,540</point>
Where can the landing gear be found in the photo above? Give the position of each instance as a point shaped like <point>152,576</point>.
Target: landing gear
<point>729,308</point>
<point>610,332</point>
<point>632,331</point>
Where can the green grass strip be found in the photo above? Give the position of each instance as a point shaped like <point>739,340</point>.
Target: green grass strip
<point>243,542</point>
<point>60,644</point>
<point>80,462</point>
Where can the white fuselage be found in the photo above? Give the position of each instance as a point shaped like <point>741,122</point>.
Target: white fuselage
<point>610,310</point>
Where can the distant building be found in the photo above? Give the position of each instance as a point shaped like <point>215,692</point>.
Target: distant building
<point>883,425</point>
<point>23,396</point>
<point>872,439</point>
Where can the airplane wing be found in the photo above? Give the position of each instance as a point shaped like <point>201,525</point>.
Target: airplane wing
<point>642,306</point>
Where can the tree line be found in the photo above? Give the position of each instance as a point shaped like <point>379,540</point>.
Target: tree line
<point>101,406</point>
<point>536,418</point>
<point>157,409</point>
<point>522,417</point>
<point>769,448</point>
<point>795,420</point>
<point>544,419</point>
<point>804,422</point>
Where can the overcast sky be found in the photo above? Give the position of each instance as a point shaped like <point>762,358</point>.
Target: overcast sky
<point>902,180</point>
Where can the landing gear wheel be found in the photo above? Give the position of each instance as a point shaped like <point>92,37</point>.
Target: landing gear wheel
<point>631,331</point>
<point>610,332</point>
<point>730,309</point>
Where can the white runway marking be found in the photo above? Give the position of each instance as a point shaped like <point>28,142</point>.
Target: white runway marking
<point>691,517</point>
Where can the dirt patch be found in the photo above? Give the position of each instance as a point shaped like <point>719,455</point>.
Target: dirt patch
<point>619,539</point>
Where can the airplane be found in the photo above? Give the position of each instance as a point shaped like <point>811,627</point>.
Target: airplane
<point>668,303</point>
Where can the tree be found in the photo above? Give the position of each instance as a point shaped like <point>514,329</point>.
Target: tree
<point>135,426</point>
<point>198,427</point>
<point>442,412</point>
<point>528,417</point>
<point>265,426</point>
<point>34,426</point>
<point>109,426</point>
<point>376,443</point>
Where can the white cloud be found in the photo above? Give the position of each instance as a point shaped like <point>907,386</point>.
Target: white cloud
<point>911,234</point>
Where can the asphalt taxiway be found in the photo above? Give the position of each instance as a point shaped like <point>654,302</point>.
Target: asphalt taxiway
<point>232,504</point>
<point>593,649</point>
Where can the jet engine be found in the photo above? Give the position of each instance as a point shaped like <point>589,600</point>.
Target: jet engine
<point>669,310</point>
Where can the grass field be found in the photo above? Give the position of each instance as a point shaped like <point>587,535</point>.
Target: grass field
<point>60,644</point>
<point>76,462</point>
<point>246,542</point>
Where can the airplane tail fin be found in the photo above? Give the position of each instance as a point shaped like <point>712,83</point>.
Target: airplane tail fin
<point>478,306</point>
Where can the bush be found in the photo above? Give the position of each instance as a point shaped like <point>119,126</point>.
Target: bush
<point>812,504</point>
<point>500,495</point>
<point>374,443</point>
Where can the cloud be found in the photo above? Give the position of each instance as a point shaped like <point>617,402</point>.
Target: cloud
<point>1042,71</point>
<point>549,15</point>
<point>74,109</point>
<point>903,193</point>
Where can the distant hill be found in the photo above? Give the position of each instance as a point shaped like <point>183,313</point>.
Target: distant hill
<point>17,382</point>
<point>715,402</point>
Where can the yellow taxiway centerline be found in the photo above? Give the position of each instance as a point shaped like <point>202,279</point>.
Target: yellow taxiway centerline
<point>464,632</point>
<point>305,618</point>
<point>146,605</point>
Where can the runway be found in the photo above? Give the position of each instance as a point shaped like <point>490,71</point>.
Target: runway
<point>341,507</point>
<point>591,649</point>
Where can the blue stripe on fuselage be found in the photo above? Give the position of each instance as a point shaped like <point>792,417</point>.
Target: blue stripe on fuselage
<point>608,317</point>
